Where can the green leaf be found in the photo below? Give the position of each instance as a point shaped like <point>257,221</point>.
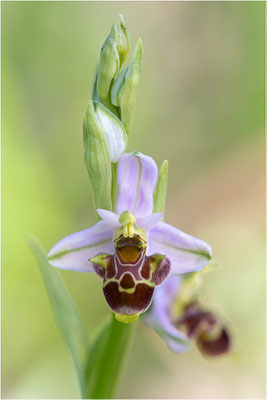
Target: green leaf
<point>161,188</point>
<point>65,312</point>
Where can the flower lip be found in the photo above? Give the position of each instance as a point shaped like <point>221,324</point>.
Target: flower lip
<point>212,337</point>
<point>216,346</point>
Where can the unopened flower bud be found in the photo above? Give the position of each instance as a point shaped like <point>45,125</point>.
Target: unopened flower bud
<point>114,131</point>
<point>97,158</point>
<point>124,40</point>
<point>109,63</point>
<point>124,88</point>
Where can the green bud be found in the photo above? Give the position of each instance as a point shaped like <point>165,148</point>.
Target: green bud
<point>109,63</point>
<point>114,131</point>
<point>124,88</point>
<point>117,87</point>
<point>161,188</point>
<point>94,92</point>
<point>124,40</point>
<point>97,159</point>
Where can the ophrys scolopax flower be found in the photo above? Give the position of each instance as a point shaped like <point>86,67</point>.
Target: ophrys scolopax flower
<point>132,250</point>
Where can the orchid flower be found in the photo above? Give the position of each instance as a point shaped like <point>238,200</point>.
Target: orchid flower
<point>131,250</point>
<point>192,322</point>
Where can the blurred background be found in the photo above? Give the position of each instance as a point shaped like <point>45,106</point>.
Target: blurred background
<point>201,106</point>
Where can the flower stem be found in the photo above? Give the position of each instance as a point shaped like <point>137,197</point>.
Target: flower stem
<point>114,187</point>
<point>109,365</point>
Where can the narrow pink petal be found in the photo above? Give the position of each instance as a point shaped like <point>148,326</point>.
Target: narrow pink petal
<point>185,252</point>
<point>137,177</point>
<point>150,221</point>
<point>74,251</point>
<point>110,218</point>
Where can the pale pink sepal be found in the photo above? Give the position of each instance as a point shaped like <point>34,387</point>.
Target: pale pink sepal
<point>137,177</point>
<point>186,253</point>
<point>74,251</point>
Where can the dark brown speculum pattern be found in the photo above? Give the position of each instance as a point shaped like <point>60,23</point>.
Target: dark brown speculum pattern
<point>129,277</point>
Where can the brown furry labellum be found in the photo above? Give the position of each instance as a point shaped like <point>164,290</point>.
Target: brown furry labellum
<point>212,338</point>
<point>129,276</point>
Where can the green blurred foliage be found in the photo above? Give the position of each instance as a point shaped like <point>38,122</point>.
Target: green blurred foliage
<point>201,106</point>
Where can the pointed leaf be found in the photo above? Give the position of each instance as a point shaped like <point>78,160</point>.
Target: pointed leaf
<point>65,312</point>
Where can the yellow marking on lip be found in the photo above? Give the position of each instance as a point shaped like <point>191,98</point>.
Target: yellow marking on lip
<point>130,290</point>
<point>155,260</point>
<point>126,319</point>
<point>100,260</point>
<point>146,281</point>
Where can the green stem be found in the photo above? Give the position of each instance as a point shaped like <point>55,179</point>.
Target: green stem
<point>108,366</point>
<point>114,187</point>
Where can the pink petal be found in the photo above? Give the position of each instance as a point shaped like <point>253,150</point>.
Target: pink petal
<point>150,221</point>
<point>110,218</point>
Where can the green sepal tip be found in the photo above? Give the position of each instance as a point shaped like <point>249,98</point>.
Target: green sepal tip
<point>161,188</point>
